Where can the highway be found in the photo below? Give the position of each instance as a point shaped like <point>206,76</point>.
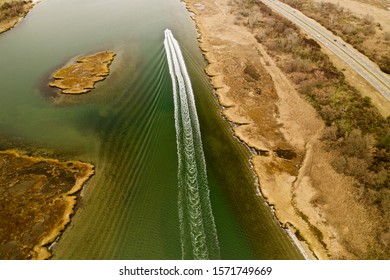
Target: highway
<point>360,63</point>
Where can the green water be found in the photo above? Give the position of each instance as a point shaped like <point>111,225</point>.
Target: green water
<point>126,127</point>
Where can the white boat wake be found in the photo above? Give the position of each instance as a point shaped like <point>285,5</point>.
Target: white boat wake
<point>197,227</point>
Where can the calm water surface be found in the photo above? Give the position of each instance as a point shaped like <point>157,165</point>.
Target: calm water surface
<point>126,127</point>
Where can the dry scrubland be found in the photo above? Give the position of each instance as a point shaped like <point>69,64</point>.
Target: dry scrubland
<point>363,7</point>
<point>364,33</point>
<point>328,176</point>
<point>383,4</point>
<point>355,132</point>
<point>11,12</point>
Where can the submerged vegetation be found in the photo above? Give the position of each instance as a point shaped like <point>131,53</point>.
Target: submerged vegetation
<point>355,131</point>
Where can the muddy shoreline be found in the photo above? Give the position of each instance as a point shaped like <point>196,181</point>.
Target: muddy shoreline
<point>39,196</point>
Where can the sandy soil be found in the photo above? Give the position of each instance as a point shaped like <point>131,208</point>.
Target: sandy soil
<point>310,198</point>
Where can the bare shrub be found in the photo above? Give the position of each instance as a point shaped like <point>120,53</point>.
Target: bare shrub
<point>253,19</point>
<point>356,133</point>
<point>329,114</point>
<point>358,31</point>
<point>12,9</point>
<point>298,65</point>
<point>369,30</point>
<point>386,36</point>
<point>260,36</point>
<point>348,29</point>
<point>330,133</point>
<point>368,19</point>
<point>356,167</point>
<point>339,164</point>
<point>355,144</point>
<point>384,63</point>
<point>244,13</point>
<point>273,45</point>
<point>292,36</point>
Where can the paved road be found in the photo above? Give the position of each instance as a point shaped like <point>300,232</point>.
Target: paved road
<point>360,63</point>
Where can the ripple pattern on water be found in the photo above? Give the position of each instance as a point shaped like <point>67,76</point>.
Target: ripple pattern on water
<point>197,227</point>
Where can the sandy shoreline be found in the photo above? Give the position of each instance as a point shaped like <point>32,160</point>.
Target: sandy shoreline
<point>233,109</point>
<point>314,204</point>
<point>12,22</point>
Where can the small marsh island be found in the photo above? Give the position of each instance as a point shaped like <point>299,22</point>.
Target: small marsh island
<point>37,199</point>
<point>80,77</point>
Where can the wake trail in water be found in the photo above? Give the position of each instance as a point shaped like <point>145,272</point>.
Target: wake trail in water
<point>197,227</point>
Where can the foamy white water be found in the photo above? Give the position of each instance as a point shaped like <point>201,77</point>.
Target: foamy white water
<point>197,227</point>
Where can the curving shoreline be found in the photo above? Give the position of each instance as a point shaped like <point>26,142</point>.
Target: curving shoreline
<point>38,198</point>
<point>11,22</point>
<point>270,116</point>
<point>247,126</point>
<point>318,207</point>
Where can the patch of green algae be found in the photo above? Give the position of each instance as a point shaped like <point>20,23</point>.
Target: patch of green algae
<point>81,76</point>
<point>36,202</point>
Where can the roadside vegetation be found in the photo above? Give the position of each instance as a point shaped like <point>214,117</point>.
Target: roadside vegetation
<point>363,33</point>
<point>355,131</point>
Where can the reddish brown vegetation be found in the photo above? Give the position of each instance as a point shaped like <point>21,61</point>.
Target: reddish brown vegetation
<point>363,33</point>
<point>355,130</point>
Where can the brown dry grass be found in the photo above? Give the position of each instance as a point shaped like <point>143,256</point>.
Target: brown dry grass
<point>81,76</point>
<point>268,119</point>
<point>355,153</point>
<point>11,12</point>
<point>383,4</point>
<point>361,8</point>
<point>361,31</point>
<point>37,200</point>
<point>306,191</point>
